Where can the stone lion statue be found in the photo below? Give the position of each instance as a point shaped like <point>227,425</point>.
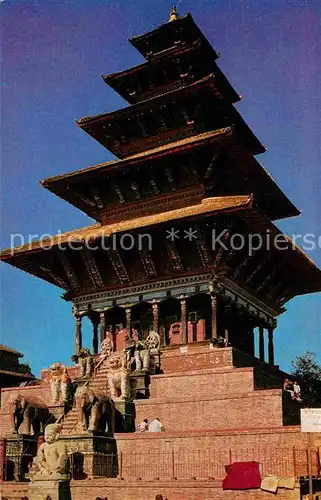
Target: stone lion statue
<point>60,383</point>
<point>52,457</point>
<point>118,376</point>
<point>96,411</point>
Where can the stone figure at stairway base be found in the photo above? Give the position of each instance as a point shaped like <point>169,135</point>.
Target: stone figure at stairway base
<point>51,459</point>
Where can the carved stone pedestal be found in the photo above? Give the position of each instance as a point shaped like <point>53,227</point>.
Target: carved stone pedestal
<point>139,383</point>
<point>124,416</point>
<point>20,450</point>
<point>55,489</point>
<point>91,455</point>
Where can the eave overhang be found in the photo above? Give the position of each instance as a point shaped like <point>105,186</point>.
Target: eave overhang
<point>208,206</point>
<point>40,258</point>
<point>172,34</point>
<point>127,83</point>
<point>110,128</point>
<point>65,185</point>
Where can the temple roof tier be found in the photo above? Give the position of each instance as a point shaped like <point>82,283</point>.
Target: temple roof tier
<point>181,113</point>
<point>168,36</point>
<point>166,72</point>
<point>220,163</point>
<point>91,259</point>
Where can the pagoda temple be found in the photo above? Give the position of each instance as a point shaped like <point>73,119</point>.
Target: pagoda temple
<point>186,173</point>
<point>181,270</point>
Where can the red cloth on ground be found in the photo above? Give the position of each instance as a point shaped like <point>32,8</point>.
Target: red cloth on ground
<point>242,476</point>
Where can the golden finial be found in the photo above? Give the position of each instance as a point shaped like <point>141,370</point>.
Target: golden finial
<point>173,16</point>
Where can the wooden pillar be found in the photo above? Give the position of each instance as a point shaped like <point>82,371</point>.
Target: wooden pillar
<point>184,320</point>
<point>102,326</point>
<point>95,337</point>
<point>261,343</point>
<point>271,346</point>
<point>129,320</point>
<point>3,446</point>
<point>78,334</point>
<point>155,316</point>
<point>214,315</point>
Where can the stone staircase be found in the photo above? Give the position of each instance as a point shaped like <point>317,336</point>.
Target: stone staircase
<point>98,383</point>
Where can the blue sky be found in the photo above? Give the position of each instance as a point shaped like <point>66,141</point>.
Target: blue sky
<point>53,54</point>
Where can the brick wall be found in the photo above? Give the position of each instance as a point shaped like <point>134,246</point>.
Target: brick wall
<point>195,357</point>
<point>201,383</point>
<point>256,409</point>
<point>114,489</point>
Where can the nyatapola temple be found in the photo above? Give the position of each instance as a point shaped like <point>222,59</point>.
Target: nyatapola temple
<point>178,395</point>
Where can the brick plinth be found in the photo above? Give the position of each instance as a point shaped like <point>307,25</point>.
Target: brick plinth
<point>115,489</point>
<point>195,356</point>
<point>252,410</point>
<point>242,437</point>
<point>202,383</point>
<point>171,490</point>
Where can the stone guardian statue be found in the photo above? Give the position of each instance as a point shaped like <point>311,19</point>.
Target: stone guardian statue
<point>51,460</point>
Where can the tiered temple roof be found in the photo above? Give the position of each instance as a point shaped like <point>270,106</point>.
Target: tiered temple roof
<point>185,161</point>
<point>220,165</point>
<point>198,107</point>
<point>11,371</point>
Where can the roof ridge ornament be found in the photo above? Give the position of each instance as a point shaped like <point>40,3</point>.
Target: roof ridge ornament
<point>173,16</point>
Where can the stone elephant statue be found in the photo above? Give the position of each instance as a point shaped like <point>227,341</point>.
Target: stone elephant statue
<point>96,411</point>
<point>29,415</point>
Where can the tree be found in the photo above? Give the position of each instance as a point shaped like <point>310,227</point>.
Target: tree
<point>307,372</point>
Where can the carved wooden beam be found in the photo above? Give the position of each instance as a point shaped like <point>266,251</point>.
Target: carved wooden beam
<point>59,281</point>
<point>95,193</point>
<point>70,273</point>
<point>85,199</point>
<point>142,125</point>
<point>277,289</point>
<point>263,262</point>
<point>268,278</point>
<point>135,188</point>
<point>241,266</point>
<point>154,184</point>
<point>211,166</point>
<point>221,250</point>
<point>119,130</point>
<point>118,266</point>
<point>286,295</point>
<point>119,193</point>
<point>174,256</point>
<point>169,177</point>
<point>188,120</point>
<point>202,247</point>
<point>148,263</point>
<point>92,269</point>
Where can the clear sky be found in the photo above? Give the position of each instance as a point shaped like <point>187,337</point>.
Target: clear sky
<point>53,54</point>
